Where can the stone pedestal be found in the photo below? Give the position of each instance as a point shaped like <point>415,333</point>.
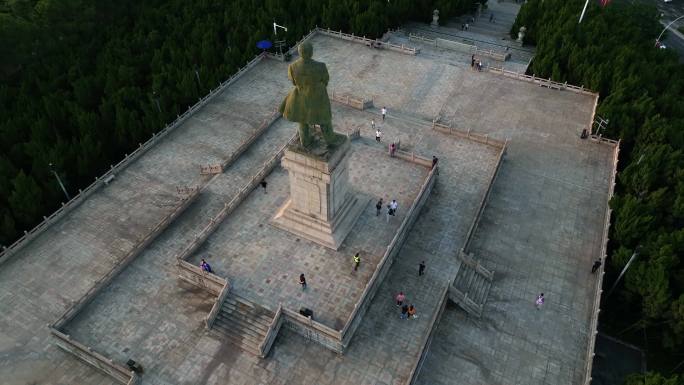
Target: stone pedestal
<point>322,206</point>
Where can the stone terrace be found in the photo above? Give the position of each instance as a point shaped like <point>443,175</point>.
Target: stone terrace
<point>545,159</point>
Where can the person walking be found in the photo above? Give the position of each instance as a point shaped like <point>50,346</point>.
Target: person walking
<point>595,266</point>
<point>392,149</point>
<point>472,62</point>
<point>412,311</point>
<point>373,124</point>
<point>384,112</point>
<point>404,312</point>
<point>394,206</point>
<point>378,207</point>
<point>421,268</point>
<point>540,301</point>
<point>491,17</point>
<point>434,161</point>
<point>205,266</point>
<point>400,298</point>
<point>389,212</point>
<point>357,261</point>
<point>302,281</point>
<point>378,134</point>
<point>263,185</point>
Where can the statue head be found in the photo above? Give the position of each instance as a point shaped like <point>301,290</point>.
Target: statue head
<point>305,50</point>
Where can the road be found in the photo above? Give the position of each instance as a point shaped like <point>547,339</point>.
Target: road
<point>670,11</point>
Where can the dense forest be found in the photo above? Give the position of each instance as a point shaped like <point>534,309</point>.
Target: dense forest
<point>642,94</point>
<point>82,82</point>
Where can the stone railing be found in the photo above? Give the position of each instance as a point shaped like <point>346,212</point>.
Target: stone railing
<point>369,42</point>
<point>385,263</point>
<point>427,339</point>
<point>461,47</point>
<point>272,332</point>
<point>413,158</point>
<point>483,201</point>
<point>105,364</point>
<point>351,101</point>
<point>234,203</point>
<point>123,263</point>
<point>596,307</point>
<point>313,330</point>
<point>541,81</point>
<point>211,317</point>
<point>108,176</point>
<point>467,134</point>
<point>194,275</point>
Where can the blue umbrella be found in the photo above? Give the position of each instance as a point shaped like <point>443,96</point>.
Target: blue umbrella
<point>264,44</point>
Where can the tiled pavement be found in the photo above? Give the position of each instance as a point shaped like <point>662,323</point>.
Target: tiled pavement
<point>543,125</point>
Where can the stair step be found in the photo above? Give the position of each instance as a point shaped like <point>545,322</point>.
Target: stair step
<point>258,321</point>
<point>230,328</point>
<point>244,324</point>
<point>238,342</point>
<point>244,305</point>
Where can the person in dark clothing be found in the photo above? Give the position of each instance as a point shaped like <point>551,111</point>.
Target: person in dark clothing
<point>263,185</point>
<point>404,312</point>
<point>434,161</point>
<point>378,207</point>
<point>302,281</point>
<point>596,266</point>
<point>421,268</point>
<point>205,266</point>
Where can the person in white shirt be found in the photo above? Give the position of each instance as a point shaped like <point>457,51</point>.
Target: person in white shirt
<point>384,112</point>
<point>378,134</point>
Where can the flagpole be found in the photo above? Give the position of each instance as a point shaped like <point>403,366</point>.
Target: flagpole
<point>583,10</point>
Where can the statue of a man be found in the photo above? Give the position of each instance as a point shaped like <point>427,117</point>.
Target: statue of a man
<point>308,103</point>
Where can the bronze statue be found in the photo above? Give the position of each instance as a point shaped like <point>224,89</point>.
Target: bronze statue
<point>308,103</point>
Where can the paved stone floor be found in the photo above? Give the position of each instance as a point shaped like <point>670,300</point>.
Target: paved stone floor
<point>539,233</point>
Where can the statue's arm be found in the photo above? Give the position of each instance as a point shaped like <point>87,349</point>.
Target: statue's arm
<point>289,75</point>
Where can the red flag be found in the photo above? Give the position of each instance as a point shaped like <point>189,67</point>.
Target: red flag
<point>603,3</point>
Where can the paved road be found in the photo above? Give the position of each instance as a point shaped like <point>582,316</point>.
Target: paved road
<point>670,11</point>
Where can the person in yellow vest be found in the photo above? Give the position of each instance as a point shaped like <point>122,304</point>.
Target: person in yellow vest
<point>357,261</point>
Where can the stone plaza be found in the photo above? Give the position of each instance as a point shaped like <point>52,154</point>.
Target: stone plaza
<point>516,189</point>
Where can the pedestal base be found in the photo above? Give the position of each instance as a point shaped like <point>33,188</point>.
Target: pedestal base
<point>328,234</point>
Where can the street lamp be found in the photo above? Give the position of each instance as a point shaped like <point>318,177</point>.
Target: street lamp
<point>276,26</point>
<point>624,269</point>
<point>665,29</point>
<point>52,168</point>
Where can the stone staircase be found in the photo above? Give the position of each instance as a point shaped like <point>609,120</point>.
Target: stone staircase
<point>471,285</point>
<point>243,323</point>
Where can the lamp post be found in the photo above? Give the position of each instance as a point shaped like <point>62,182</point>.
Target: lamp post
<point>59,180</point>
<point>624,269</point>
<point>665,29</point>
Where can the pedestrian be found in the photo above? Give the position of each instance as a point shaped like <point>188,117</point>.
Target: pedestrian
<point>357,261</point>
<point>404,312</point>
<point>378,134</point>
<point>392,149</point>
<point>378,207</point>
<point>400,298</point>
<point>394,206</point>
<point>372,124</point>
<point>491,17</point>
<point>421,268</point>
<point>540,301</point>
<point>466,26</point>
<point>302,281</point>
<point>263,185</point>
<point>479,65</point>
<point>434,161</point>
<point>384,112</point>
<point>462,26</point>
<point>205,266</point>
<point>596,266</point>
<point>412,312</point>
<point>389,212</point>
<point>472,62</point>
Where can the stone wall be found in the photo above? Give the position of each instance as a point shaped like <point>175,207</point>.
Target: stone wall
<point>483,202</point>
<point>385,263</point>
<point>195,276</point>
<point>313,331</point>
<point>541,81</point>
<point>467,134</point>
<point>596,307</point>
<point>117,371</point>
<point>272,333</point>
<point>427,339</point>
<point>123,263</point>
